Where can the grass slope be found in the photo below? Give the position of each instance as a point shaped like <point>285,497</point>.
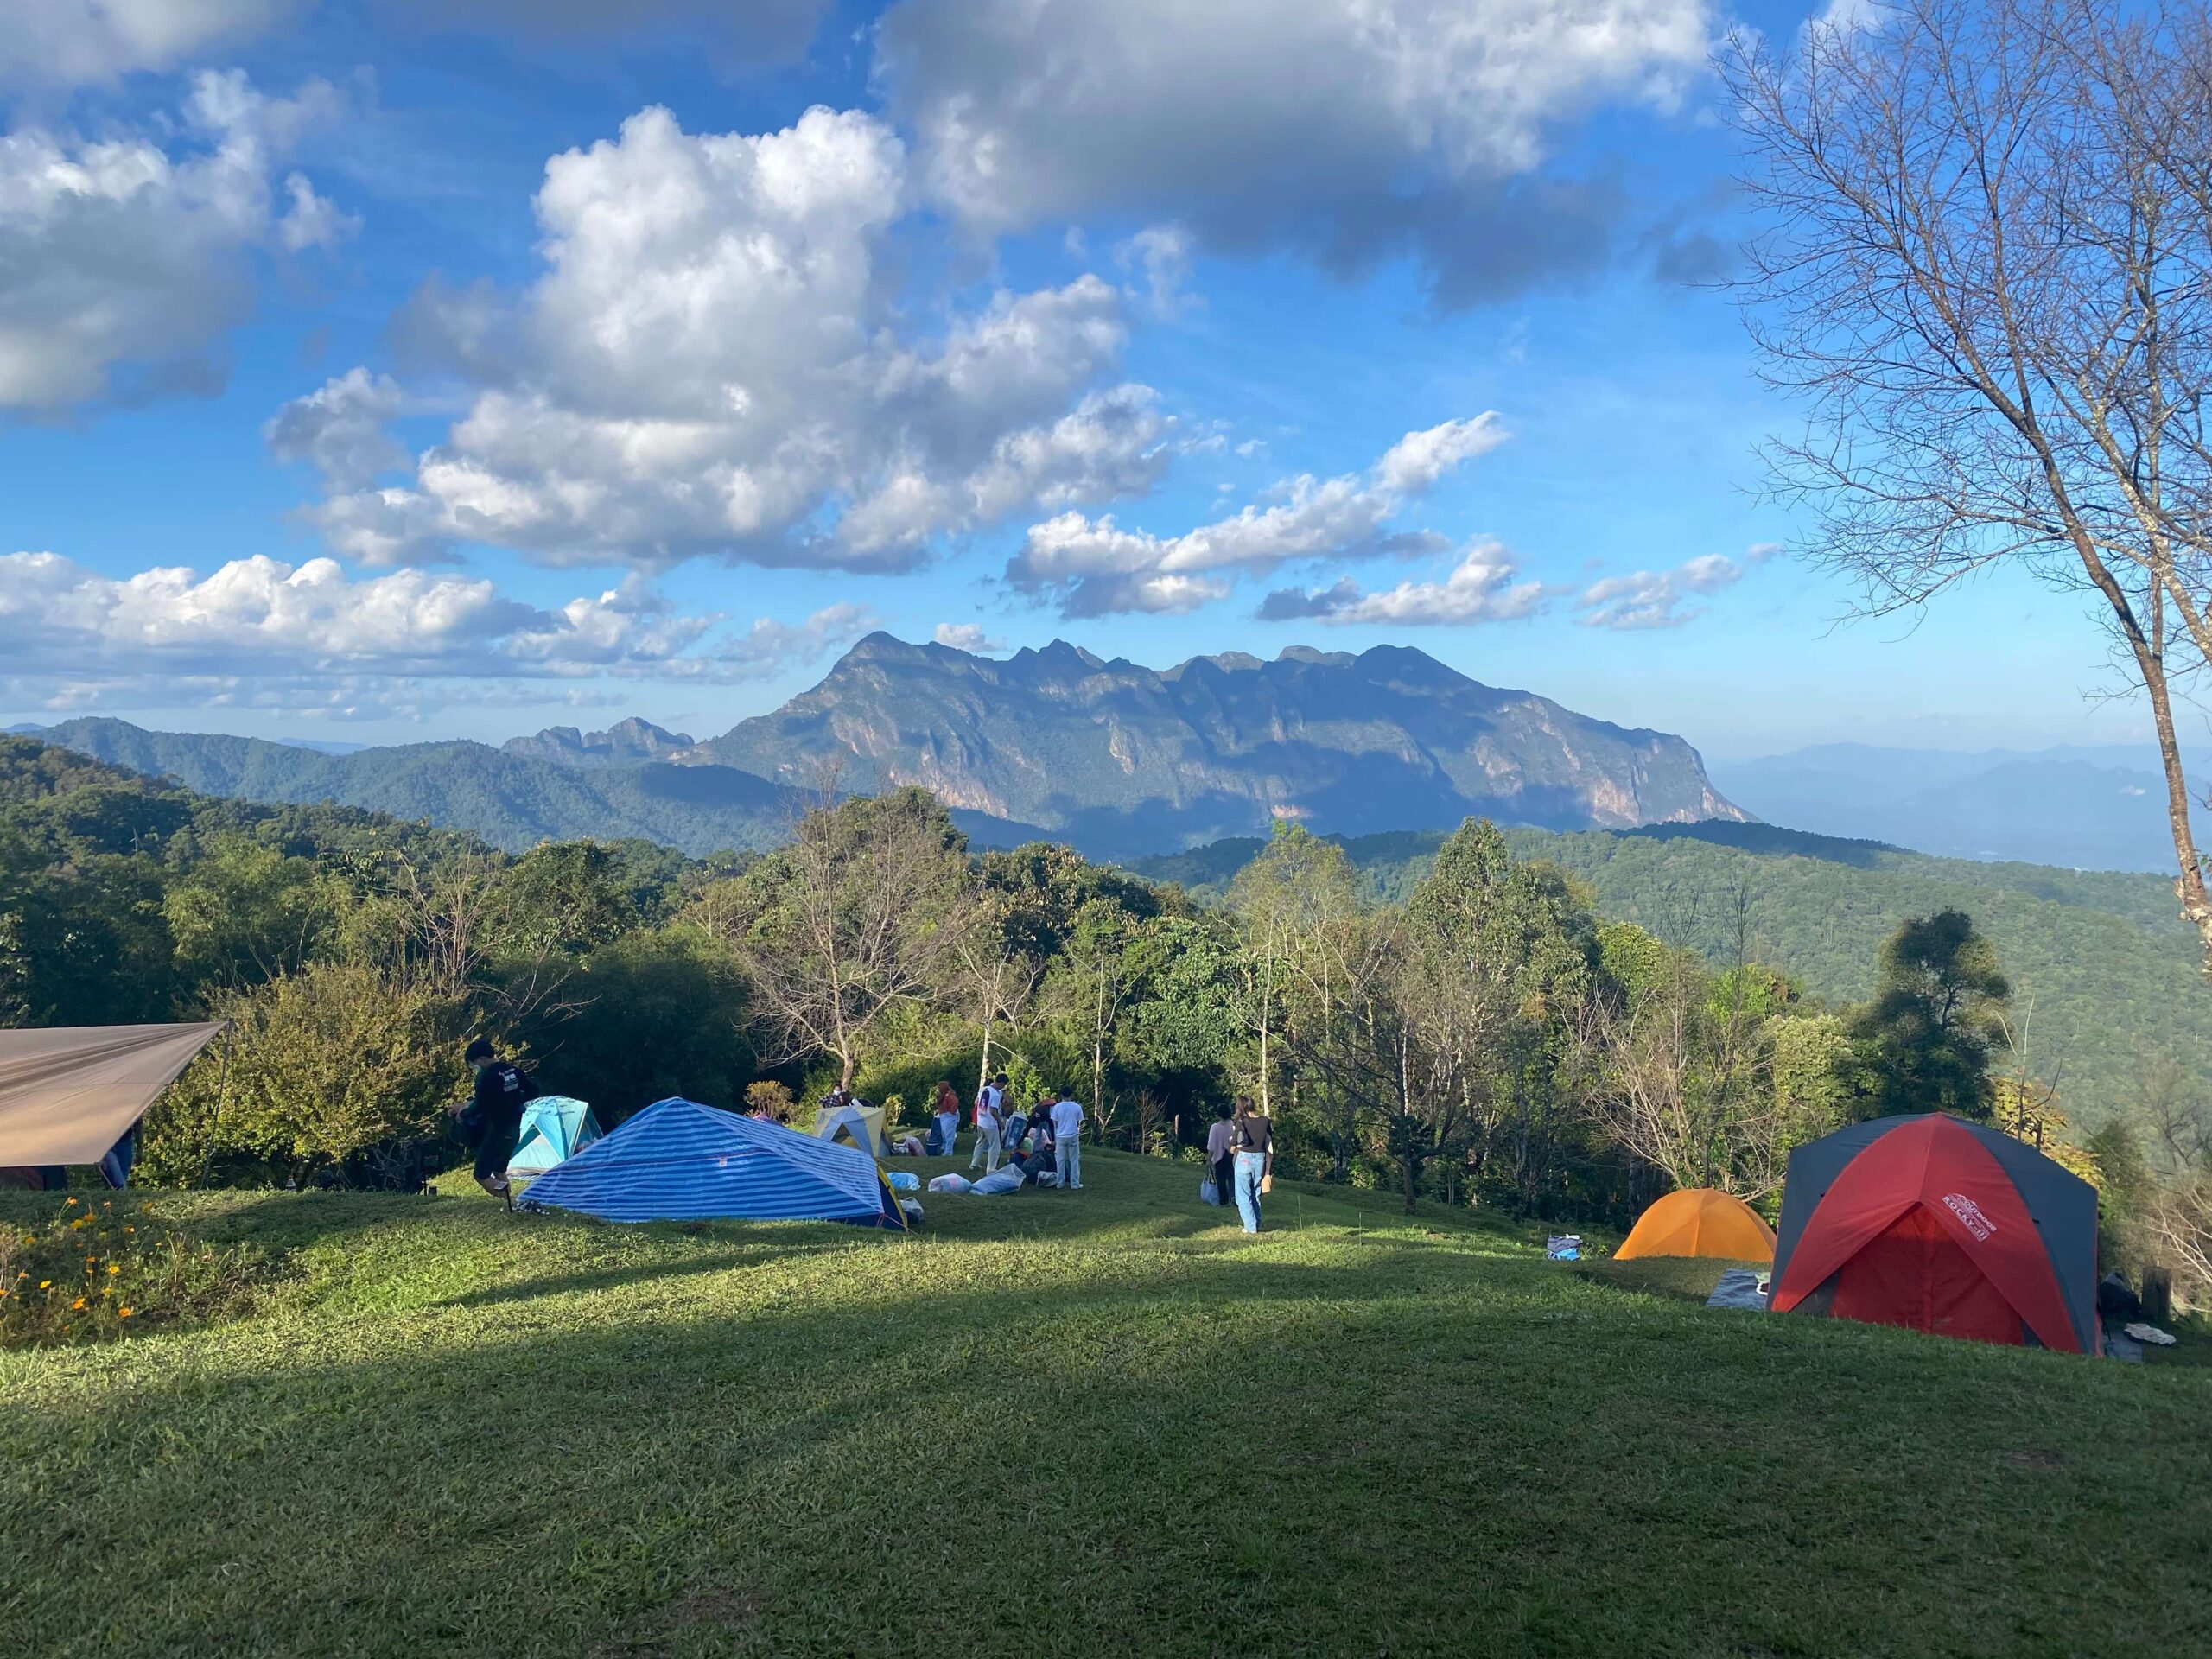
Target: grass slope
<point>2111,973</point>
<point>1056,1424</point>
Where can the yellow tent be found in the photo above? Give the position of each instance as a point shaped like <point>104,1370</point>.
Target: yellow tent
<point>1698,1221</point>
<point>861,1125</point>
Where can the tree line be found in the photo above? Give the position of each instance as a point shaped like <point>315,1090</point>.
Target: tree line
<point>1485,1037</point>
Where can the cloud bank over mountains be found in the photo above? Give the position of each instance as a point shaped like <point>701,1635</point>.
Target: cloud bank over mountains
<point>1095,568</point>
<point>261,626</point>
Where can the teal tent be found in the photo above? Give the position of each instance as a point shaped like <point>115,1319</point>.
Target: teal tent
<point>553,1128</point>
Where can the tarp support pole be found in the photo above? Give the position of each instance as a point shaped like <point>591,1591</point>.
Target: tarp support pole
<point>222,1096</point>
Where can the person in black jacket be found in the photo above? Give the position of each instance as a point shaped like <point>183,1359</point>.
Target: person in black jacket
<point>493,1117</point>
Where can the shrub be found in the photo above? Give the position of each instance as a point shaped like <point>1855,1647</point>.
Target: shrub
<point>318,1066</point>
<point>768,1097</point>
<point>94,1272</point>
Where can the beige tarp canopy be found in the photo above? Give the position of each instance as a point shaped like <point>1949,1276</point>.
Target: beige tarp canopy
<point>68,1093</point>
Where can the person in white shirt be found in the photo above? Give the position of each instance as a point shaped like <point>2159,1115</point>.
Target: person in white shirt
<point>990,1113</point>
<point>1067,1145</point>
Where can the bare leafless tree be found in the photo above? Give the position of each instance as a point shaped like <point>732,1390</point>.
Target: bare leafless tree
<point>998,974</point>
<point>862,913</point>
<point>1986,234</point>
<point>2179,1222</point>
<point>1681,1079</point>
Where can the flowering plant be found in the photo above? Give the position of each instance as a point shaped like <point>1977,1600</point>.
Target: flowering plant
<point>96,1269</point>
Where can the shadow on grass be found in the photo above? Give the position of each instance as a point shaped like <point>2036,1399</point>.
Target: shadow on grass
<point>638,1273</point>
<point>1680,1278</point>
<point>1379,1448</point>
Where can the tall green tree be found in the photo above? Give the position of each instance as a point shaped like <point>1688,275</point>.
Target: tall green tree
<point>1924,1043</point>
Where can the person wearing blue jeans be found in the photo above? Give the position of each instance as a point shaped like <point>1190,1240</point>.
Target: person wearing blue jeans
<point>1252,1141</point>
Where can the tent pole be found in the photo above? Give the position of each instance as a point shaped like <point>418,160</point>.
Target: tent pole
<point>222,1094</point>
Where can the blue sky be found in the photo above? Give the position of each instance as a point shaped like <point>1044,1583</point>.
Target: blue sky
<point>1033,330</point>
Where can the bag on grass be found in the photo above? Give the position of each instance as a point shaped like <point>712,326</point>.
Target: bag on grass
<point>903,1180</point>
<point>1208,1192</point>
<point>947,1183</point>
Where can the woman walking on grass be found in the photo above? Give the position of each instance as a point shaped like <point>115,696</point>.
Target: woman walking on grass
<point>1252,1138</point>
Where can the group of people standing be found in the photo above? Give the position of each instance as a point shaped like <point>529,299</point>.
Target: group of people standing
<point>1052,1127</point>
<point>1240,1145</point>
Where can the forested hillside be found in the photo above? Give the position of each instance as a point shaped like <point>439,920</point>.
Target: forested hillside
<point>507,798</point>
<point>511,801</point>
<point>2105,974</point>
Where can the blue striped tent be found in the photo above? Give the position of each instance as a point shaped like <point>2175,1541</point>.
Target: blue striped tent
<point>678,1160</point>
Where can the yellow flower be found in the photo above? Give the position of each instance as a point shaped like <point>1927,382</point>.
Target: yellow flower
<point>114,1268</point>
<point>131,1230</point>
<point>122,1312</point>
<point>66,1203</point>
<point>44,1283</point>
<point>75,1305</point>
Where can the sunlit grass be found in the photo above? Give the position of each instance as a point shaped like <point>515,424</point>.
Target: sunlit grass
<point>456,1430</point>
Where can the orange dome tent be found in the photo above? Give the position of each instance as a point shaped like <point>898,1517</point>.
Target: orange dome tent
<point>1699,1221</point>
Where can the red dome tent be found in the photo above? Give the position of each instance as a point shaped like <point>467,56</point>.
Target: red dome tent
<point>1943,1226</point>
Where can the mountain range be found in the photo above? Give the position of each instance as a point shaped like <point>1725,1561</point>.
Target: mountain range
<point>1123,759</point>
<point>1118,759</point>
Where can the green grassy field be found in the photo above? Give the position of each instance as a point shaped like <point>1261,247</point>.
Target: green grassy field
<point>1104,1422</point>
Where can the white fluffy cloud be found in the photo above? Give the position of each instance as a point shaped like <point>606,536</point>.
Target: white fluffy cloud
<point>1095,567</point>
<point>68,634</point>
<point>970,637</point>
<point>714,360</point>
<point>71,42</point>
<point>1351,131</point>
<point>1479,588</point>
<point>123,263</point>
<point>1655,599</point>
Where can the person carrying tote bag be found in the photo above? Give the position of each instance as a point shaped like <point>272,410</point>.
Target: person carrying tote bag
<point>1252,1144</point>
